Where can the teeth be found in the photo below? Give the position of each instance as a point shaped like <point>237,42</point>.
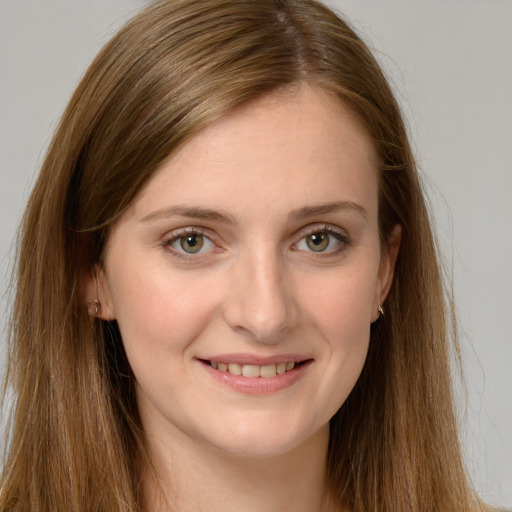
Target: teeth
<point>280,368</point>
<point>235,368</point>
<point>268,370</point>
<point>252,370</point>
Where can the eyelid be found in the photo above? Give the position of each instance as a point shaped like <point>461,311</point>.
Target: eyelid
<point>323,226</point>
<point>171,237</point>
<point>331,229</point>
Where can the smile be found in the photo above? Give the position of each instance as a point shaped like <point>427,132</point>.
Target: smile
<point>254,375</point>
<point>253,370</point>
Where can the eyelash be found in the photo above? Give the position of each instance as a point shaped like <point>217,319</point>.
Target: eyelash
<point>177,235</point>
<point>331,231</point>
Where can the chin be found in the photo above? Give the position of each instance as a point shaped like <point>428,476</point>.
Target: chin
<point>258,443</point>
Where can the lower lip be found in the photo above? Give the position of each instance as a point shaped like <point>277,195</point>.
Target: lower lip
<point>258,385</point>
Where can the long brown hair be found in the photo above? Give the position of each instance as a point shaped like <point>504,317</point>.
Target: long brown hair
<point>179,65</point>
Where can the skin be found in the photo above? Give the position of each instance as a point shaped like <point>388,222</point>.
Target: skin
<point>259,287</point>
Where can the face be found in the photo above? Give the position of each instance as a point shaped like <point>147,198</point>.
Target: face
<point>246,274</point>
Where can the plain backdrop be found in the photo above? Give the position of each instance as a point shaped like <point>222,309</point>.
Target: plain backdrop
<point>450,62</point>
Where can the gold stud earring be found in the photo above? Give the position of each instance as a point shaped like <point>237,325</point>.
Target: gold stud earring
<point>381,309</point>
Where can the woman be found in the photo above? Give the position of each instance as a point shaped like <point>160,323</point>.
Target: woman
<point>228,291</point>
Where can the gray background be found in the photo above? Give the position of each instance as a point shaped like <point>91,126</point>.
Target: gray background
<point>451,64</point>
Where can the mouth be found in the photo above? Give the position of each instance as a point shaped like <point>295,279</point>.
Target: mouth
<point>266,371</point>
<point>241,372</point>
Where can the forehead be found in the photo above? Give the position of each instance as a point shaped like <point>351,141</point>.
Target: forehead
<point>287,150</point>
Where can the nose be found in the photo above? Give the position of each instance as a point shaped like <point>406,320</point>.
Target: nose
<point>261,302</point>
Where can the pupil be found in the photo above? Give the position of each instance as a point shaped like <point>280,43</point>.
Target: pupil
<point>317,238</point>
<point>192,243</point>
<point>318,242</point>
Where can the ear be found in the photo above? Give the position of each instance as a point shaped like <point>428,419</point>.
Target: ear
<point>387,269</point>
<point>98,298</point>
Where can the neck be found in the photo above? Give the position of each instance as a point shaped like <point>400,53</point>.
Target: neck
<point>189,476</point>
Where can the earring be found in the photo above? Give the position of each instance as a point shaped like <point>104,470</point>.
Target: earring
<point>381,309</point>
<point>93,307</point>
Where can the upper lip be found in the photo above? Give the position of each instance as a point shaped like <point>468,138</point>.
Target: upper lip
<point>255,359</point>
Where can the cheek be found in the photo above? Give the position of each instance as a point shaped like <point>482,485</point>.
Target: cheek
<point>340,312</point>
<point>342,301</point>
<point>343,319</point>
<point>159,309</point>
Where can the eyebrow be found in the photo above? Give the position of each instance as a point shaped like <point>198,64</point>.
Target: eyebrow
<point>322,209</point>
<point>197,212</point>
<point>193,212</point>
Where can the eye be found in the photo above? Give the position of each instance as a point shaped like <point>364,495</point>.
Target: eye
<point>189,242</point>
<point>318,242</point>
<point>323,240</point>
